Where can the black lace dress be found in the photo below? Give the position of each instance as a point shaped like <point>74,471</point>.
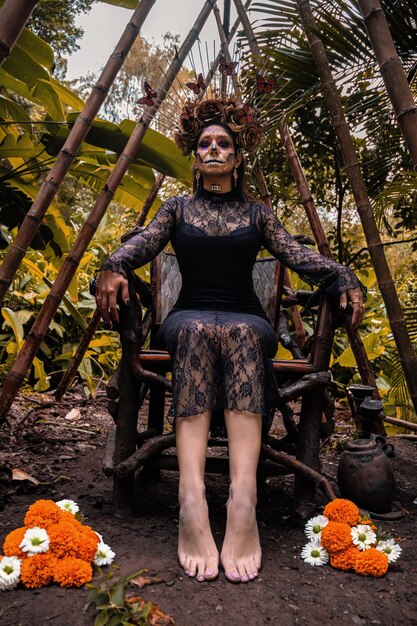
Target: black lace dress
<point>217,333</point>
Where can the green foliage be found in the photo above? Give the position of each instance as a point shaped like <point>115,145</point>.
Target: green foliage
<point>108,597</point>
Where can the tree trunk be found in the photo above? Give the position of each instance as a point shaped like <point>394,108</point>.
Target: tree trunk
<point>50,186</point>
<point>392,72</point>
<point>53,300</point>
<point>383,274</point>
<point>13,16</point>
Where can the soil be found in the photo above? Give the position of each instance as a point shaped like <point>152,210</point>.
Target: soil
<point>65,454</point>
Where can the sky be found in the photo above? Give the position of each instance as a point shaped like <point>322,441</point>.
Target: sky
<point>105,23</point>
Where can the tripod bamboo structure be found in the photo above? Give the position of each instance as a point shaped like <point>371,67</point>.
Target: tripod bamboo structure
<point>67,154</point>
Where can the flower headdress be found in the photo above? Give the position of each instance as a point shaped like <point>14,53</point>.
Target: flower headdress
<point>241,119</point>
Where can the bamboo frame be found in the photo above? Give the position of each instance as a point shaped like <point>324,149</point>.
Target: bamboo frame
<point>54,298</point>
<point>13,16</point>
<point>392,72</point>
<point>68,152</point>
<point>385,282</point>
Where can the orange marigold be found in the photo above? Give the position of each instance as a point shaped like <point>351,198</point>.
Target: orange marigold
<point>345,559</point>
<point>12,542</point>
<point>88,544</point>
<point>68,517</point>
<point>37,571</point>
<point>64,539</point>
<point>43,513</point>
<point>341,510</point>
<point>335,537</point>
<point>371,562</point>
<point>72,572</point>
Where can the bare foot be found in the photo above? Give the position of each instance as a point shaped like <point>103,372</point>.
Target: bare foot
<point>197,551</point>
<point>241,551</point>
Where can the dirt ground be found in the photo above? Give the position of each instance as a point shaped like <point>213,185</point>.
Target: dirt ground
<point>65,454</point>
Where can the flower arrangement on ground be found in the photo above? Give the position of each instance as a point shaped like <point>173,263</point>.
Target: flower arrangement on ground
<point>52,546</point>
<point>348,540</point>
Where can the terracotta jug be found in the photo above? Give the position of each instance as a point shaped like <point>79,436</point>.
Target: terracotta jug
<point>365,476</point>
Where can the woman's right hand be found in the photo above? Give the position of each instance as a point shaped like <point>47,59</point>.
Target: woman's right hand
<point>109,285</point>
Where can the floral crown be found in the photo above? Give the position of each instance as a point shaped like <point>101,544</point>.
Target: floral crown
<point>240,118</point>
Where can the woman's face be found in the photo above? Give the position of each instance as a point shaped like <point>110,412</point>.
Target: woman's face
<point>216,155</point>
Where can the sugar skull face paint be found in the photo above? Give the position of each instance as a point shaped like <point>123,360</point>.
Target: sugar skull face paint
<point>216,156</point>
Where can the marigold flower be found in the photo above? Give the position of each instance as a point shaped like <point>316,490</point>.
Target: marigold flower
<point>42,513</point>
<point>371,562</point>
<point>37,571</point>
<point>72,572</point>
<point>87,547</point>
<point>335,537</point>
<point>341,510</point>
<point>64,540</point>
<point>68,517</point>
<point>345,559</point>
<point>13,541</point>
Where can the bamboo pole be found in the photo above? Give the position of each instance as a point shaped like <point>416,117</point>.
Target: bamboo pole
<point>392,72</point>
<point>13,16</point>
<point>376,250</point>
<point>225,52</point>
<point>53,300</point>
<point>74,364</point>
<point>68,152</point>
<point>260,179</point>
<point>213,66</point>
<point>365,369</point>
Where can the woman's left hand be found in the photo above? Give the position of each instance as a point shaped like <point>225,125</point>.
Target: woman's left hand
<point>356,298</point>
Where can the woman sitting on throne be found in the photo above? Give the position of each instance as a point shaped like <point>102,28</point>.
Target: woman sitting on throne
<point>217,333</point>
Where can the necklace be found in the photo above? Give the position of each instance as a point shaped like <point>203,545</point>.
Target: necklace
<point>215,187</point>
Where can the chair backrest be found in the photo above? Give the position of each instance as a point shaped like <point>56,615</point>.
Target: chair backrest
<point>166,279</point>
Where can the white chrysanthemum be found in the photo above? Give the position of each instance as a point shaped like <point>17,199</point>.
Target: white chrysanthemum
<point>68,505</point>
<point>314,554</point>
<point>9,572</point>
<point>315,525</point>
<point>104,555</point>
<point>390,548</point>
<point>35,541</point>
<point>363,536</point>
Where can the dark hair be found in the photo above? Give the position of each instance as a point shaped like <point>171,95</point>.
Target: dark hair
<point>241,188</point>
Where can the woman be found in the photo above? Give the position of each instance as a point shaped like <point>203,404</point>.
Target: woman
<point>217,333</point>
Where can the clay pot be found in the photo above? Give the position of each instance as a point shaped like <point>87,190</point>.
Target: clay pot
<point>365,476</point>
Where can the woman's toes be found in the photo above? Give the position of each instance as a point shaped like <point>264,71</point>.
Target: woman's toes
<point>233,576</point>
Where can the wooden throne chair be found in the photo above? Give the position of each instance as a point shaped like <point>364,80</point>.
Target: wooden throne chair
<point>133,455</point>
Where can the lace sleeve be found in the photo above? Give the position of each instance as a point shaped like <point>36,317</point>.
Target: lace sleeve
<point>147,244</point>
<point>314,268</point>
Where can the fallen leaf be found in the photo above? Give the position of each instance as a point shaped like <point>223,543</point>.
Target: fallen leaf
<point>142,581</point>
<point>73,415</point>
<point>156,616</point>
<point>18,474</point>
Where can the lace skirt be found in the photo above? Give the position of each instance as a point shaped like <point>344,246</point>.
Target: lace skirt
<point>221,360</point>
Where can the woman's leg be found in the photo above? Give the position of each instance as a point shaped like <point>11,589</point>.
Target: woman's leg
<point>241,551</point>
<point>197,551</point>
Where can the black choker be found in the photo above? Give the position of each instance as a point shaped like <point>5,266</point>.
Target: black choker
<point>216,188</point>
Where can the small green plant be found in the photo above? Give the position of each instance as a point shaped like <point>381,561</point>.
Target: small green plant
<point>108,597</point>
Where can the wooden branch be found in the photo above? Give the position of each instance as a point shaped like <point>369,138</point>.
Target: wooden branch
<point>113,386</point>
<point>401,423</point>
<point>108,463</point>
<point>301,469</point>
<point>305,385</point>
<point>149,449</point>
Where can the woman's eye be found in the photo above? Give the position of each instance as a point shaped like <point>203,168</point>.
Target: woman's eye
<point>224,144</point>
